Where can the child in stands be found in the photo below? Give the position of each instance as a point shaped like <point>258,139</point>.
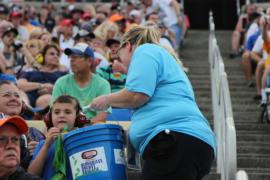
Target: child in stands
<point>65,113</point>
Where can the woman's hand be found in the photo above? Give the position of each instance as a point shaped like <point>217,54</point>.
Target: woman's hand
<point>32,146</point>
<point>100,103</point>
<point>52,135</point>
<point>119,67</point>
<point>46,89</point>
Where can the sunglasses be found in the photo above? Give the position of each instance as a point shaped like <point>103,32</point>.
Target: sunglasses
<point>4,140</point>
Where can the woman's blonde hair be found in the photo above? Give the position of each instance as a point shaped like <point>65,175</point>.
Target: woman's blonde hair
<point>105,27</point>
<point>139,35</point>
<point>35,34</point>
<point>35,42</point>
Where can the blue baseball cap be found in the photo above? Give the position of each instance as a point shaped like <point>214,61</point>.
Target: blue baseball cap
<point>80,49</point>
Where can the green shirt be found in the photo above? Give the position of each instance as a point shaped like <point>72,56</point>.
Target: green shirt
<point>117,82</point>
<point>67,85</point>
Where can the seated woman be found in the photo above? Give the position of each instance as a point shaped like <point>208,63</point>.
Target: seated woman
<point>34,47</point>
<point>65,113</point>
<point>38,84</point>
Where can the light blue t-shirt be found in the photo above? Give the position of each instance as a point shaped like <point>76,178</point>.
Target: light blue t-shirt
<point>154,72</point>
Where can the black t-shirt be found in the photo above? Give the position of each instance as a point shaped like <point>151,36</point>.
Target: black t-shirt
<point>20,174</point>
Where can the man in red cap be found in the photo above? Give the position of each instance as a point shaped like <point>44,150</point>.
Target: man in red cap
<point>10,130</point>
<point>16,20</point>
<point>66,40</point>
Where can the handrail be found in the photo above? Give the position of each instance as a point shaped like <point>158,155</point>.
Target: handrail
<point>222,111</point>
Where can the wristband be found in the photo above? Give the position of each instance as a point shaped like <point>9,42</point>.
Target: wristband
<point>40,86</point>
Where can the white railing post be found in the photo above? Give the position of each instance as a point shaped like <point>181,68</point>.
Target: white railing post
<point>222,111</point>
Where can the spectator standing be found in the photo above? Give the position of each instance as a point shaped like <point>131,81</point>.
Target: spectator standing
<point>169,13</point>
<point>167,126</point>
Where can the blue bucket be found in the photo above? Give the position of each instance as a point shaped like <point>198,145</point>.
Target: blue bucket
<point>96,152</point>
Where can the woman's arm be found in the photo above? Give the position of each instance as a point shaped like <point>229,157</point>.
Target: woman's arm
<point>30,60</point>
<point>3,63</point>
<point>123,99</point>
<point>26,86</point>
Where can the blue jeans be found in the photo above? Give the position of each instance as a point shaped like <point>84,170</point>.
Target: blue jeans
<point>178,34</point>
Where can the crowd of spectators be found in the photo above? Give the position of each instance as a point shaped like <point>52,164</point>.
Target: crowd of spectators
<point>250,40</point>
<point>54,58</point>
<point>33,40</point>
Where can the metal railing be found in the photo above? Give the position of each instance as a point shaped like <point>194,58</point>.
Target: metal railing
<point>222,111</point>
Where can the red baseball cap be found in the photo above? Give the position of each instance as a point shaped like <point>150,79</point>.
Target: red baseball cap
<point>15,14</point>
<point>66,22</point>
<point>17,121</point>
<point>86,16</point>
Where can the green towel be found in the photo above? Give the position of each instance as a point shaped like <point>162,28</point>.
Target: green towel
<point>59,160</point>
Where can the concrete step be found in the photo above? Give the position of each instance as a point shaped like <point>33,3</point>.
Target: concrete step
<point>253,126</point>
<point>212,176</point>
<point>253,162</point>
<point>252,138</point>
<point>252,150</point>
<point>258,176</point>
<point>235,102</point>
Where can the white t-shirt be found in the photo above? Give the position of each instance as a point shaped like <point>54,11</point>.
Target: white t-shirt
<point>64,60</point>
<point>165,11</point>
<point>253,28</point>
<point>165,42</point>
<point>23,33</point>
<point>103,62</point>
<point>1,45</point>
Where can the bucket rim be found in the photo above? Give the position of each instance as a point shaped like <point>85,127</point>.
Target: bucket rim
<point>92,128</point>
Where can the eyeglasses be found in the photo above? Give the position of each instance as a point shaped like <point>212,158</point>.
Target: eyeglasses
<point>4,140</point>
<point>10,94</point>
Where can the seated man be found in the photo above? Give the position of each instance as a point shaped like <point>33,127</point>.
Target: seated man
<point>249,64</point>
<point>238,35</point>
<point>82,83</point>
<point>10,130</point>
<point>114,73</point>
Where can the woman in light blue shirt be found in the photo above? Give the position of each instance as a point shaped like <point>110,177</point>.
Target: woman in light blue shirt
<point>167,127</point>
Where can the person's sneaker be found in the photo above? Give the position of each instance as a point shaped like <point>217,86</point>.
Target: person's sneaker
<point>257,97</point>
<point>250,84</point>
<point>262,104</point>
<point>233,55</point>
<point>241,50</point>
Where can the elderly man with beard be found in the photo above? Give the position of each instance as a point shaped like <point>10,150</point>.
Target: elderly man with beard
<point>11,104</point>
<point>10,130</point>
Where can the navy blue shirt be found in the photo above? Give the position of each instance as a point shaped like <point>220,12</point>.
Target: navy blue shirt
<point>40,77</point>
